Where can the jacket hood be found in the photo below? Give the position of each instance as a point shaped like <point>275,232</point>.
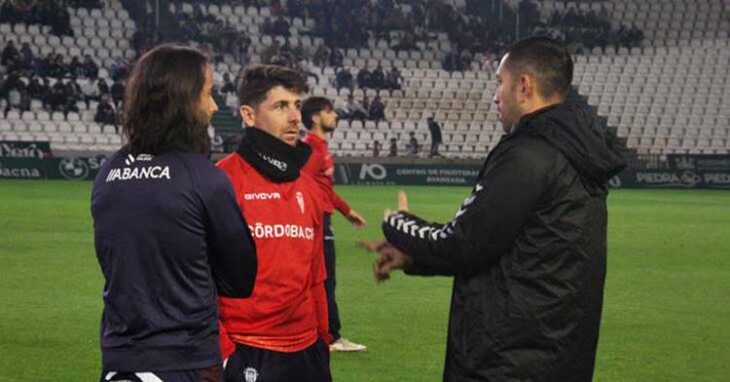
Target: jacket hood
<point>577,134</point>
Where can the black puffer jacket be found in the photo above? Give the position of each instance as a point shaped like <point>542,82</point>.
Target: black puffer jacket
<point>527,250</point>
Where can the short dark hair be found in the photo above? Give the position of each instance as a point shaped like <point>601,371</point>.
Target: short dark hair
<point>162,101</point>
<point>545,59</point>
<point>312,106</point>
<point>259,79</point>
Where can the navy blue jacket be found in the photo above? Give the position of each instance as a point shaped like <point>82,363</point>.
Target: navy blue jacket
<point>169,235</point>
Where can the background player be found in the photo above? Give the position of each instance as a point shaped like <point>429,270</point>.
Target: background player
<point>320,119</point>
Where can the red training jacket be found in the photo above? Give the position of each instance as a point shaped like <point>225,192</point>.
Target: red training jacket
<point>322,168</point>
<point>287,311</point>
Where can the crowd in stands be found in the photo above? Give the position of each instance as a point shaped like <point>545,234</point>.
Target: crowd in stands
<point>51,13</point>
<point>58,83</point>
<point>218,34</point>
<point>584,29</point>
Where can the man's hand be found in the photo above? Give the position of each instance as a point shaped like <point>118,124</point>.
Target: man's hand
<point>402,201</point>
<point>389,258</point>
<point>402,204</point>
<point>356,219</point>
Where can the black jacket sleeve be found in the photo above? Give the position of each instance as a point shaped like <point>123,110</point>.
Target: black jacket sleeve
<point>231,247</point>
<point>488,222</point>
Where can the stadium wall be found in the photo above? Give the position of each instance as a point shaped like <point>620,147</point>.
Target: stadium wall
<point>34,160</point>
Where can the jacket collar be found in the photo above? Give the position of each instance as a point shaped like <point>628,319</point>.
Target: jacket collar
<point>271,157</point>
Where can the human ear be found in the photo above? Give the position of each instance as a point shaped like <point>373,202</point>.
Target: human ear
<point>248,114</point>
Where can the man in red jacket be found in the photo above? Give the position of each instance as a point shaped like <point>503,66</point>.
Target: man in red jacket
<point>279,333</point>
<point>320,118</point>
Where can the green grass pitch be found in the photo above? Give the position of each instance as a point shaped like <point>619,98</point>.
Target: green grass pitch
<point>666,313</point>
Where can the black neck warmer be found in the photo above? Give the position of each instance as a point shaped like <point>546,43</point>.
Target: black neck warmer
<point>272,157</point>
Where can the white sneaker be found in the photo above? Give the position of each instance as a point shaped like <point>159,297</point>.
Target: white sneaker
<point>343,344</point>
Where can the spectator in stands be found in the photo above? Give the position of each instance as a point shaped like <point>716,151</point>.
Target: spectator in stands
<point>288,53</point>
<point>281,27</point>
<point>364,78</point>
<point>228,85</point>
<point>57,68</point>
<point>343,79</point>
<point>90,68</point>
<point>267,27</point>
<point>240,46</point>
<point>10,53</point>
<point>43,65</point>
<point>321,55</point>
<point>393,149</point>
<point>412,144</point>
<point>106,114</point>
<point>120,68</point>
<point>37,88</point>
<point>376,148</point>
<point>75,67</point>
<point>378,78</point>
<point>336,57</point>
<point>103,87</point>
<point>377,109</point>
<point>394,79</point>
<point>117,92</point>
<point>452,62</point>
<point>56,99</point>
<point>89,92</point>
<point>354,110</point>
<point>306,69</point>
<point>435,129</point>
<point>25,57</point>
<point>465,59</point>
<point>72,94</point>
<point>408,42</point>
<point>14,66</point>
<point>271,52</point>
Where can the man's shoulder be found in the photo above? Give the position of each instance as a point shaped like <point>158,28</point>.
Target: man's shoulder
<point>529,152</point>
<point>229,162</point>
<point>531,145</point>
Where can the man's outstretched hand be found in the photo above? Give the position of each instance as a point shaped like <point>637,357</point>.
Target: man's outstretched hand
<point>389,258</point>
<point>356,219</point>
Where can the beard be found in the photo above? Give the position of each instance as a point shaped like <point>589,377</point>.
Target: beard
<point>328,129</point>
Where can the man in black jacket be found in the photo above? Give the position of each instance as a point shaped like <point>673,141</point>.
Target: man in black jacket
<point>436,139</point>
<point>527,248</point>
<point>168,231</point>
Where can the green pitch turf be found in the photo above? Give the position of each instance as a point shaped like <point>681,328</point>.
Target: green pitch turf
<point>666,312</point>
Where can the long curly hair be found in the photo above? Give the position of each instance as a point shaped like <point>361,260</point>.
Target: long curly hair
<point>162,101</point>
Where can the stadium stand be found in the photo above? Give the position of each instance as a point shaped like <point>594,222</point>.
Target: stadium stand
<point>100,32</point>
<point>655,72</point>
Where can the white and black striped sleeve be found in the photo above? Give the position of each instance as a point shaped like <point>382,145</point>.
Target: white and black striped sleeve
<point>486,225</point>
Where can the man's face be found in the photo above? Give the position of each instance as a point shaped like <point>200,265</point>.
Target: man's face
<point>328,120</point>
<point>279,114</point>
<point>506,97</point>
<point>207,104</point>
